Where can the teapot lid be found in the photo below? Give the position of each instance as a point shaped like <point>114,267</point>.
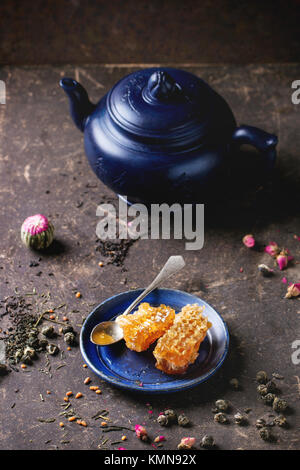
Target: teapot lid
<point>167,105</point>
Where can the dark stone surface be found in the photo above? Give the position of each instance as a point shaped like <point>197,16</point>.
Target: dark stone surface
<point>43,169</point>
<point>131,31</point>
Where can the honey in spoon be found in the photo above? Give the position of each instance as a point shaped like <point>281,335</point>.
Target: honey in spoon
<point>105,333</point>
<point>102,338</point>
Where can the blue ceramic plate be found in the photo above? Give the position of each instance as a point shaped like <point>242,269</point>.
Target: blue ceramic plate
<point>130,370</point>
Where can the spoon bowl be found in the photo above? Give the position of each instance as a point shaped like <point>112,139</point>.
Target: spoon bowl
<point>106,332</point>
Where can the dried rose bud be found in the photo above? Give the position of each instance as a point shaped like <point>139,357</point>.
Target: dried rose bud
<point>186,443</point>
<point>282,259</point>
<point>272,249</point>
<point>159,439</point>
<point>265,270</point>
<point>293,290</point>
<point>249,241</point>
<point>141,432</point>
<point>121,448</point>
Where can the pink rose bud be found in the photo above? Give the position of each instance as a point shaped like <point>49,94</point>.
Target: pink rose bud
<point>121,448</point>
<point>249,241</point>
<point>293,290</point>
<point>282,259</point>
<point>141,432</point>
<point>186,443</point>
<point>272,249</point>
<point>159,439</point>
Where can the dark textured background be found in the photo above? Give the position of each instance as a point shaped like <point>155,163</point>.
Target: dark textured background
<point>43,169</point>
<point>132,31</point>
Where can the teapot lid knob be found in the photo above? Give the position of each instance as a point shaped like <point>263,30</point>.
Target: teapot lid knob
<point>161,86</point>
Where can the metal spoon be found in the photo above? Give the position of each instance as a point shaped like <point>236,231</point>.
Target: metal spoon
<point>110,330</point>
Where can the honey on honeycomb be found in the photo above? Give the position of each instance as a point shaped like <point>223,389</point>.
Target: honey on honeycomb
<point>144,326</point>
<point>178,347</point>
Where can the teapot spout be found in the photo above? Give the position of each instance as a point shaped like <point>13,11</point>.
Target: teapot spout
<point>80,105</point>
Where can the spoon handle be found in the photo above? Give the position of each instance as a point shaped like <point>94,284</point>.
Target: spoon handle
<point>172,266</point>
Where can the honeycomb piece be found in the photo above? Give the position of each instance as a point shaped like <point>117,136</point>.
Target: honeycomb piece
<point>179,346</point>
<point>144,326</point>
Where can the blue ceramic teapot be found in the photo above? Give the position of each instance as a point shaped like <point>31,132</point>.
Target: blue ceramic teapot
<point>162,135</point>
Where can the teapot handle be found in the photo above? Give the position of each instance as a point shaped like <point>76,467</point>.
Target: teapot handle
<point>261,140</point>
